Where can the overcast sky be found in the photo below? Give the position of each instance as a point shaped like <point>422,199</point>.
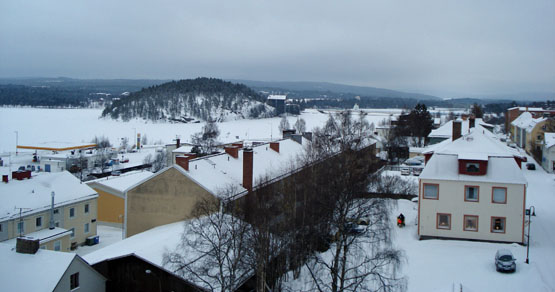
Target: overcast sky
<point>446,48</point>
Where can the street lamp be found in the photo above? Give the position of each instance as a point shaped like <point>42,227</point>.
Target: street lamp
<point>531,211</point>
<point>16,141</point>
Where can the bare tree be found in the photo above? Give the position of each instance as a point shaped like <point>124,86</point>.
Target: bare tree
<point>300,125</point>
<point>213,251</point>
<point>207,139</point>
<point>284,124</point>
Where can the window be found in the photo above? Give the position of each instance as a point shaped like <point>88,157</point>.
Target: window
<point>21,227</point>
<point>499,195</point>
<point>0,227</point>
<point>72,232</point>
<point>86,227</point>
<point>56,211</point>
<point>43,246</point>
<point>471,193</point>
<point>86,208</point>
<point>472,167</point>
<point>431,191</point>
<point>71,212</point>
<point>74,281</point>
<point>38,222</point>
<point>57,245</point>
<point>57,224</point>
<point>498,224</point>
<point>443,221</point>
<point>470,223</point>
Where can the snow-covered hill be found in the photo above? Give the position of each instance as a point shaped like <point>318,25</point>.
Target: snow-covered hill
<point>191,101</point>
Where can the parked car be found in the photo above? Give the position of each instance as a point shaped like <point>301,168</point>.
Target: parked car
<point>116,173</point>
<point>413,161</point>
<point>505,261</point>
<point>531,166</point>
<point>405,171</point>
<point>416,171</point>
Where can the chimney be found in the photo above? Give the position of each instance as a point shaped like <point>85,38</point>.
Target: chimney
<point>247,168</point>
<point>52,225</point>
<point>183,161</point>
<point>238,145</point>
<point>471,122</point>
<point>456,130</point>
<point>297,138</point>
<point>5,178</point>
<point>232,150</point>
<point>275,146</point>
<point>26,245</point>
<point>307,135</point>
<point>288,133</point>
<point>177,143</point>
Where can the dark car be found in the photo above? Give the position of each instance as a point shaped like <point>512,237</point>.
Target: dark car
<point>505,261</point>
<point>531,166</point>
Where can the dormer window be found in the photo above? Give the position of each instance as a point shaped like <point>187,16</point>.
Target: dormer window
<point>472,167</point>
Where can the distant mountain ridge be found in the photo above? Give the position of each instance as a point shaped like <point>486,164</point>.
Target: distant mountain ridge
<point>191,100</point>
<point>332,87</point>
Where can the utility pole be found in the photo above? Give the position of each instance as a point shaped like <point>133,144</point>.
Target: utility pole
<point>16,141</point>
<point>531,212</point>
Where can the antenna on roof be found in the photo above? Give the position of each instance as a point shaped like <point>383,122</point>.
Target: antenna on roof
<point>21,219</point>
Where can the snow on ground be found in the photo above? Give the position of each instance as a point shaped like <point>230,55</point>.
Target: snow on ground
<point>108,235</point>
<point>38,125</point>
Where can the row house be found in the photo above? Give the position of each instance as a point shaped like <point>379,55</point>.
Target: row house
<point>528,132</point>
<point>472,187</point>
<point>548,154</point>
<point>537,112</point>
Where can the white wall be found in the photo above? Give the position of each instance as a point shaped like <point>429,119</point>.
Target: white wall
<point>452,200</point>
<point>89,279</point>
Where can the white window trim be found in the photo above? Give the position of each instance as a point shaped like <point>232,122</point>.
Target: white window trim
<point>87,208</point>
<point>57,242</point>
<point>85,228</point>
<point>72,234</point>
<point>70,212</point>
<point>22,227</point>
<point>41,222</point>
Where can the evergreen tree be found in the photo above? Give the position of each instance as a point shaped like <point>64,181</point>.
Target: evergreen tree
<point>477,111</point>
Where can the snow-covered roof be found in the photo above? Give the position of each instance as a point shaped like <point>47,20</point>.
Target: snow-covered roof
<point>217,172</point>
<point>500,170</point>
<point>549,140</point>
<point>446,131</point>
<point>151,245</point>
<point>32,272</point>
<point>120,184</point>
<point>522,108</point>
<point>57,146</point>
<point>184,149</point>
<point>277,97</point>
<point>43,235</point>
<point>476,145</point>
<point>526,121</point>
<point>35,194</point>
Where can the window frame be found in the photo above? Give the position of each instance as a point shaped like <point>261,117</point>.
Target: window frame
<point>424,191</point>
<point>437,221</point>
<point>472,163</point>
<point>59,244</point>
<point>504,220</point>
<point>72,210</point>
<point>37,218</point>
<point>477,223</point>
<point>72,234</point>
<point>86,228</point>
<point>477,195</point>
<point>1,227</point>
<point>493,189</point>
<point>86,208</point>
<point>74,281</point>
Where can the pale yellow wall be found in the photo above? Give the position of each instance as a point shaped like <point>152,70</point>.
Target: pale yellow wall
<point>65,243</point>
<point>165,198</point>
<point>111,208</point>
<point>451,200</point>
<point>532,138</point>
<point>80,219</point>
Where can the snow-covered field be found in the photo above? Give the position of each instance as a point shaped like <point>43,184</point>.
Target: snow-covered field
<point>37,125</point>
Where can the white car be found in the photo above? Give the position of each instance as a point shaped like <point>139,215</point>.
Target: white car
<point>405,171</point>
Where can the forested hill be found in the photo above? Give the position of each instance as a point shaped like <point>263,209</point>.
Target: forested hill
<point>190,100</point>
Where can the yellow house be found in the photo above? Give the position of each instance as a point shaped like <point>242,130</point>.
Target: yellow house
<point>112,191</point>
<point>528,133</point>
<point>55,208</point>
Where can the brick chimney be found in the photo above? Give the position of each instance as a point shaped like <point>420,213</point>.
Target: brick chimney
<point>232,150</point>
<point>247,168</point>
<point>456,130</point>
<point>238,145</point>
<point>275,146</point>
<point>26,245</point>
<point>288,133</point>
<point>183,161</point>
